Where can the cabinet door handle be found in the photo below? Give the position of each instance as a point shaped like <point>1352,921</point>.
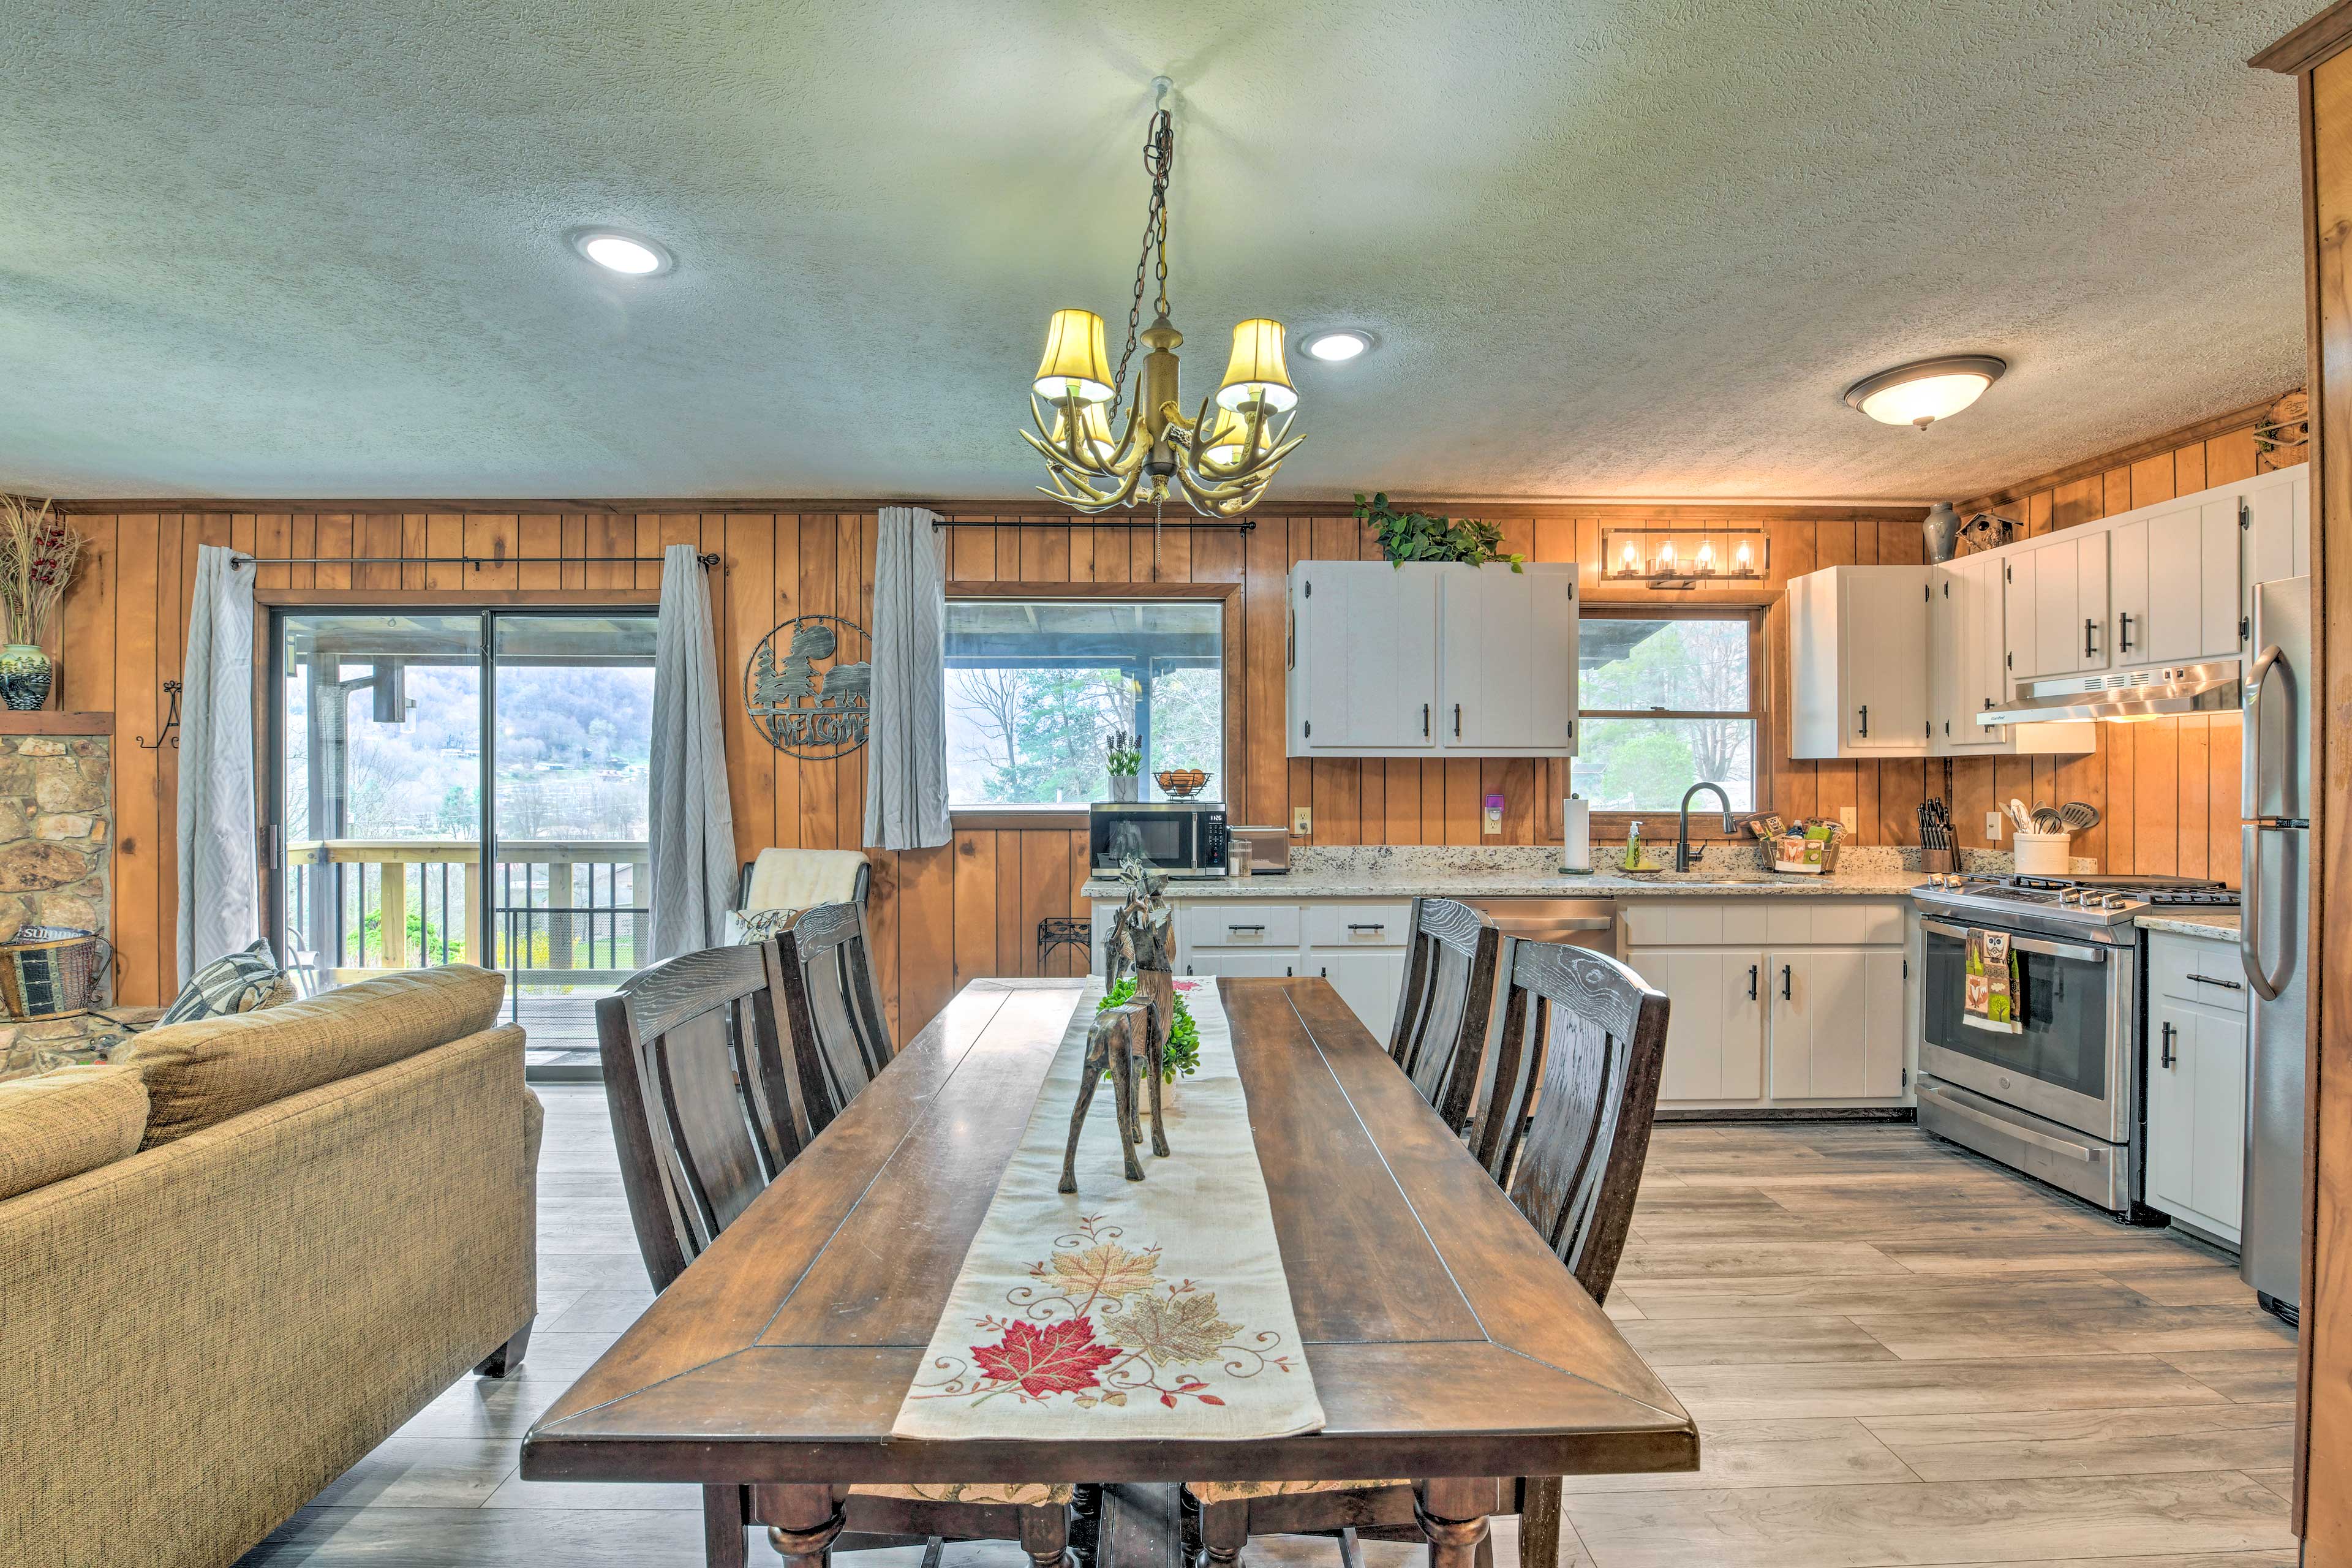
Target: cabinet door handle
<point>2224,984</point>
<point>1751,982</point>
<point>1457,721</point>
<point>1373,926</point>
<point>1424,720</point>
<point>1228,929</point>
<point>2122,620</point>
<point>1286,974</point>
<point>2088,627</point>
<point>1865,717</point>
<point>2165,1058</point>
<point>1324,972</point>
<point>1785,996</point>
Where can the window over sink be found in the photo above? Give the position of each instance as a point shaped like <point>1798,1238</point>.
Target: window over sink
<point>1036,687</point>
<point>1667,701</point>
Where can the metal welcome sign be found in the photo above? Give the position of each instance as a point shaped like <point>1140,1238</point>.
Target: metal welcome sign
<point>810,698</point>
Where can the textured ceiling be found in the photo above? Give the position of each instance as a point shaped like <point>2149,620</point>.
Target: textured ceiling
<point>315,247</point>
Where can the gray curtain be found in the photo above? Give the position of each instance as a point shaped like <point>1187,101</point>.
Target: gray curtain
<point>690,826</point>
<point>906,748</point>
<point>220,860</point>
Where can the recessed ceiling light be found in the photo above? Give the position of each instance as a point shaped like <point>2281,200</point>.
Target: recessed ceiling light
<point>624,253</point>
<point>1337,345</point>
<point>1923,392</point>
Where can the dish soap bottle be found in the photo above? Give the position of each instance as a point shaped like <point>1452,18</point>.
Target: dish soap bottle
<point>1634,846</point>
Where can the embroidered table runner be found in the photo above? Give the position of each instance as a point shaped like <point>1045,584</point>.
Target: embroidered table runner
<point>1151,1308</point>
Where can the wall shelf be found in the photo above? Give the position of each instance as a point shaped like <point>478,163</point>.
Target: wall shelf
<point>51,723</point>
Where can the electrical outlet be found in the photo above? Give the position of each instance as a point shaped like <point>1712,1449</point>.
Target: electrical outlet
<point>1494,813</point>
<point>1302,821</point>
<point>1851,819</point>
<point>1992,826</point>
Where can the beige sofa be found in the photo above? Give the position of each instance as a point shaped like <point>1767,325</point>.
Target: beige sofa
<point>328,1219</point>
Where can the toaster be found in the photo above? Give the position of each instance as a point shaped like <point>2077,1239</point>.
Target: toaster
<point>1268,848</point>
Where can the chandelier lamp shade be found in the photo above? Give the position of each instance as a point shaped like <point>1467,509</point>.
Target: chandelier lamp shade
<point>1110,442</point>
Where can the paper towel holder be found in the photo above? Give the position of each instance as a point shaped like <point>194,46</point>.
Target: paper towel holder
<point>1566,838</point>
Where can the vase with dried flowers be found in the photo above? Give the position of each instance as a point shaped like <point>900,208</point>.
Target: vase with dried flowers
<point>39,552</point>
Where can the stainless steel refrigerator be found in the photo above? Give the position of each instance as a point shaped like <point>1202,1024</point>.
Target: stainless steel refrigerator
<point>2274,931</point>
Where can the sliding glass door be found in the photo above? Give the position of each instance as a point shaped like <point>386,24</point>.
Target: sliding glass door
<point>468,787</point>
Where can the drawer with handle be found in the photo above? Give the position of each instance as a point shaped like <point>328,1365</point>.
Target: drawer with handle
<point>1240,924</point>
<point>1358,925</point>
<point>2187,969</point>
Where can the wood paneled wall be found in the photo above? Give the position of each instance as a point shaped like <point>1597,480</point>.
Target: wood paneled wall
<point>941,917</point>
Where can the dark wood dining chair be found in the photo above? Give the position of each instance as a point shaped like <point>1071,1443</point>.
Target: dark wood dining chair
<point>1444,1009</point>
<point>1577,1057</point>
<point>840,1033</point>
<point>706,1111</point>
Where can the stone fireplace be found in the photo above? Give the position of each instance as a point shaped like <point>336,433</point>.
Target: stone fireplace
<point>56,816</point>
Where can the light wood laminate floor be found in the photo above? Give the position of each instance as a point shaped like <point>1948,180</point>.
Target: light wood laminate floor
<point>1897,1355</point>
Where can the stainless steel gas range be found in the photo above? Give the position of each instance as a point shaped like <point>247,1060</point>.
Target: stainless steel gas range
<point>2061,1101</point>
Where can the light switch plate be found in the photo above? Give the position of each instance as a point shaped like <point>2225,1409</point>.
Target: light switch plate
<point>1851,817</point>
<point>1992,826</point>
<point>1494,813</point>
<point>1302,821</point>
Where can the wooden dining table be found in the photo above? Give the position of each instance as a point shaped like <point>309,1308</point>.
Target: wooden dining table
<point>1446,1342</point>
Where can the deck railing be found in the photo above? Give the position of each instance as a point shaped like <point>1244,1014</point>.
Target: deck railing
<point>559,911</point>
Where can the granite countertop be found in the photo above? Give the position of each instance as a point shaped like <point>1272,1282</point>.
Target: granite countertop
<point>2214,926</point>
<point>1404,871</point>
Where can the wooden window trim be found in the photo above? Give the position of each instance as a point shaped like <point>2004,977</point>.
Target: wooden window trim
<point>1009,818</point>
<point>1615,825</point>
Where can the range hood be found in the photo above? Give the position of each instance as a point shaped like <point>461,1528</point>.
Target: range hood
<point>2165,692</point>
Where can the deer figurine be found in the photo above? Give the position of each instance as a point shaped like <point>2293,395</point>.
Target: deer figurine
<point>1141,944</point>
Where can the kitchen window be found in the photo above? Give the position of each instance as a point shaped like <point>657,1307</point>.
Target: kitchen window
<point>1664,702</point>
<point>1036,688</point>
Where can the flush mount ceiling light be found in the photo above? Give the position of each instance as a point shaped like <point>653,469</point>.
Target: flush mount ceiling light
<point>1222,457</point>
<point>630,255</point>
<point>1338,344</point>
<point>1923,392</point>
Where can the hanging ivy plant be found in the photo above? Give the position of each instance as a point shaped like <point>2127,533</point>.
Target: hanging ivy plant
<point>1421,536</point>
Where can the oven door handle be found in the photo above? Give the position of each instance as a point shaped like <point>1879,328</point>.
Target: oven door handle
<point>2025,943</point>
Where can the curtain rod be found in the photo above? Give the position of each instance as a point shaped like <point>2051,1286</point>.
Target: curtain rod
<point>476,561</point>
<point>1236,525</point>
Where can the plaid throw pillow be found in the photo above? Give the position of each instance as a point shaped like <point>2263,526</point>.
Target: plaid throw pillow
<point>755,926</point>
<point>237,983</point>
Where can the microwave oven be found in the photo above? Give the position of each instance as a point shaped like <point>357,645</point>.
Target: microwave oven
<point>1177,837</point>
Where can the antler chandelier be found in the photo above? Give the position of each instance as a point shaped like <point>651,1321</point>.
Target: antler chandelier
<point>1222,457</point>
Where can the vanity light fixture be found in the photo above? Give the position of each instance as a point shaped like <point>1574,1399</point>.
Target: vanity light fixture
<point>1336,345</point>
<point>1926,390</point>
<point>632,256</point>
<point>1674,558</point>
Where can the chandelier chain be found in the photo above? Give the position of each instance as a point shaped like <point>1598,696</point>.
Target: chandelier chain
<point>1158,156</point>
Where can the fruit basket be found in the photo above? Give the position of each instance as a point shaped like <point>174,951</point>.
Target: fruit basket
<point>1180,783</point>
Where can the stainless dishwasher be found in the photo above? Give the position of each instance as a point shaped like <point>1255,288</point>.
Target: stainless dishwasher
<point>1572,922</point>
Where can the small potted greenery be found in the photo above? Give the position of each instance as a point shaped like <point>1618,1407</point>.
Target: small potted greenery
<point>1425,536</point>
<point>1123,759</point>
<point>1182,1054</point>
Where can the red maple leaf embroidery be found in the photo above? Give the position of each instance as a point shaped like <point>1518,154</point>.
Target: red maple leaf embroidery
<point>1061,1358</point>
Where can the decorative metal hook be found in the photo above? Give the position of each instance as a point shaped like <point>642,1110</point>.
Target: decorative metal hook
<point>171,722</point>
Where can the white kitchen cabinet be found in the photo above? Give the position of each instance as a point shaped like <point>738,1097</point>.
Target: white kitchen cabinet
<point>2176,584</point>
<point>1367,981</point>
<point>1358,945</point>
<point>2197,1116</point>
<point>1779,1001</point>
<point>1508,677</point>
<point>1239,963</point>
<point>1715,1030</point>
<point>1423,660</point>
<point>1858,662</point>
<point>1967,646</point>
<point>1363,658</point>
<point>2196,1084</point>
<point>2057,606</point>
<point>2277,534</point>
<point>1837,1022</point>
